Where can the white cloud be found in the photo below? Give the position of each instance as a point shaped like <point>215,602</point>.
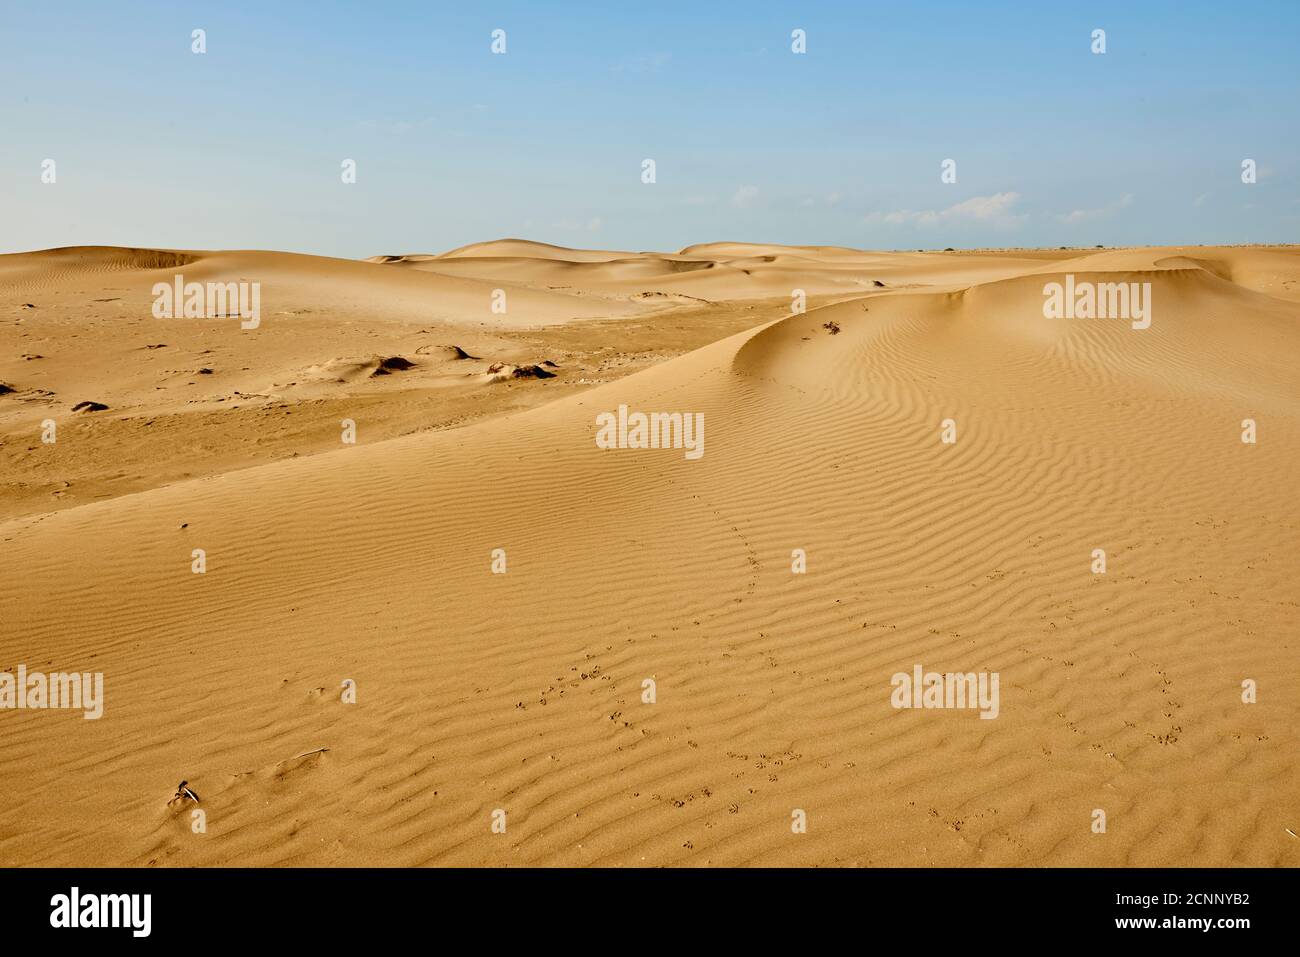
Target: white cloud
<point>397,127</point>
<point>1110,209</point>
<point>592,225</point>
<point>995,209</point>
<point>744,197</point>
<point>644,63</point>
<point>830,199</point>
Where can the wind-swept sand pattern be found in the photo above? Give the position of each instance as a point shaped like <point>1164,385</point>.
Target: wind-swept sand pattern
<point>523,691</point>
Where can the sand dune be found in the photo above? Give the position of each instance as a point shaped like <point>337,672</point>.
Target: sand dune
<point>528,249</point>
<point>373,563</point>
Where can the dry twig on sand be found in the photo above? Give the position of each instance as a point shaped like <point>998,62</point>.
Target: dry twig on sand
<point>182,792</point>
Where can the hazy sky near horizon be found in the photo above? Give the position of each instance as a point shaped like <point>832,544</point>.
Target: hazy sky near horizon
<point>241,147</point>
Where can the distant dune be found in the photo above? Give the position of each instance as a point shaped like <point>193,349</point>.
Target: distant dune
<point>373,563</point>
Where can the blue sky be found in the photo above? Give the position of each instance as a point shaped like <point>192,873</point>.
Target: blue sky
<point>241,147</point>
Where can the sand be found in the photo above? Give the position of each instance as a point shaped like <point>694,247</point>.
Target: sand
<point>336,570</point>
